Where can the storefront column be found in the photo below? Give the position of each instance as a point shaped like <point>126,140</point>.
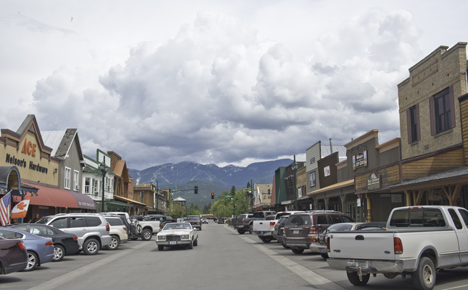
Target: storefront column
<point>369,207</point>
<point>408,198</point>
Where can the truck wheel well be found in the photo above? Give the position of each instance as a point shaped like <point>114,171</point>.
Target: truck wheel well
<point>431,255</point>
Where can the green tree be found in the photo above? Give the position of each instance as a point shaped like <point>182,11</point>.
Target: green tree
<point>175,210</point>
<point>248,185</point>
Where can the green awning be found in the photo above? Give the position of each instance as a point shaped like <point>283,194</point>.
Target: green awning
<point>117,203</point>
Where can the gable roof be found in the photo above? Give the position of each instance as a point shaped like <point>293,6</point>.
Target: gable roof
<point>62,141</point>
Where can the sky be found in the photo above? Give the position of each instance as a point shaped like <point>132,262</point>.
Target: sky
<point>215,82</point>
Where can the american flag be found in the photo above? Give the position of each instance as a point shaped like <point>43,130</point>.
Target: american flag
<point>5,206</point>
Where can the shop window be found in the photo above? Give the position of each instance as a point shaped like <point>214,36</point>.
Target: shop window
<point>76,179</point>
<point>95,186</point>
<point>67,178</point>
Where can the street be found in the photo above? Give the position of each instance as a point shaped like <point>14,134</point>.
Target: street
<point>222,260</point>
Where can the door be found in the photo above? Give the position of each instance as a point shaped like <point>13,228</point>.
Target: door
<point>462,235</point>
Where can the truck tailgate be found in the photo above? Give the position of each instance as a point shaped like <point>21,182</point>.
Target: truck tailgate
<point>376,245</point>
<point>263,225</point>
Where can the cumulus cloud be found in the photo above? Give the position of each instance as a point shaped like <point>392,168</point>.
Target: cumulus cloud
<point>216,93</point>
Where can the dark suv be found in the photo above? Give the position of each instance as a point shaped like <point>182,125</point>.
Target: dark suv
<point>301,229</point>
<point>194,220</point>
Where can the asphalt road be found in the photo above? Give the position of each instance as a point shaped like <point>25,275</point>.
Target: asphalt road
<point>222,260</point>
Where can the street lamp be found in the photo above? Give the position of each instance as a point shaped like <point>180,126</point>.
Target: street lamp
<point>294,168</point>
<point>103,166</point>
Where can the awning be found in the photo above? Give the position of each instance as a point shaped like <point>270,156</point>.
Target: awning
<point>333,186</point>
<point>129,200</point>
<point>49,196</point>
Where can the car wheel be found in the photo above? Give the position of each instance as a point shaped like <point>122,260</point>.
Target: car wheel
<point>266,240</point>
<point>241,231</point>
<point>200,228</point>
<point>195,243</point>
<point>32,261</point>
<point>324,256</point>
<point>284,245</point>
<point>146,235</point>
<point>353,277</point>
<point>424,278</point>
<point>59,252</point>
<point>91,247</point>
<point>190,246</point>
<point>114,244</point>
<point>160,248</point>
<point>297,251</point>
<point>250,229</point>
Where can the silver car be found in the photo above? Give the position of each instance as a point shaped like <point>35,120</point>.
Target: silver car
<point>92,229</point>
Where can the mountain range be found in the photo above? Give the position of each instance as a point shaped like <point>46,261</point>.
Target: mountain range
<point>225,177</point>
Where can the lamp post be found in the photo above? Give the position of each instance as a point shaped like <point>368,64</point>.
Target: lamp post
<point>294,168</point>
<point>102,166</point>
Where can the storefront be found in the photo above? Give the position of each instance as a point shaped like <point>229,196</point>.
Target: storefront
<point>27,166</point>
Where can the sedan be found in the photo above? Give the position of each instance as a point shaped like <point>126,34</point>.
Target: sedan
<point>64,243</point>
<point>320,246</point>
<point>177,234</point>
<point>13,255</point>
<point>40,250</point>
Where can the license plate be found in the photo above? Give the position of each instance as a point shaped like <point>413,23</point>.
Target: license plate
<point>172,243</point>
<point>296,232</point>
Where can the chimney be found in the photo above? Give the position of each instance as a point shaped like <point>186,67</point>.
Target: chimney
<point>331,148</point>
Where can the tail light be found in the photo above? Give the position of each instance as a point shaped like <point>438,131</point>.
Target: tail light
<point>21,246</point>
<point>397,246</point>
<point>272,224</point>
<point>49,243</point>
<point>125,229</point>
<point>328,244</point>
<point>243,221</point>
<point>107,227</point>
<point>313,231</point>
<point>75,238</point>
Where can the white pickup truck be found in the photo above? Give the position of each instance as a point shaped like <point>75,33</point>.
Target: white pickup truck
<point>418,241</point>
<point>265,228</point>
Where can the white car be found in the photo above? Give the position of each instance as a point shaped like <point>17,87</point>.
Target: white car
<point>177,234</point>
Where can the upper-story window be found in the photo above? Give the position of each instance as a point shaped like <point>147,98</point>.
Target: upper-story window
<point>87,185</point>
<point>76,180</point>
<point>413,126</point>
<point>67,178</point>
<point>442,111</point>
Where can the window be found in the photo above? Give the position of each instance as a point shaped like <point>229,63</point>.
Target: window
<point>312,179</point>
<point>413,124</point>
<point>95,187</point>
<point>60,223</point>
<point>87,185</point>
<point>443,112</point>
<point>67,178</point>
<point>77,222</point>
<point>76,179</point>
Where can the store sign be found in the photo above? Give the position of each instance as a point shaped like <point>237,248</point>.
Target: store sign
<point>373,182</point>
<point>29,148</point>
<point>360,160</point>
<point>326,171</point>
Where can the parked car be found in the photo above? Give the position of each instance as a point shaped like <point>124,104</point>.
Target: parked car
<point>40,250</point>
<point>279,229</point>
<point>265,228</point>
<point>320,245</point>
<point>195,221</point>
<point>239,224</point>
<point>92,229</point>
<point>64,243</point>
<point>302,229</point>
<point>177,234</point>
<point>13,255</point>
<point>247,222</point>
<point>117,231</point>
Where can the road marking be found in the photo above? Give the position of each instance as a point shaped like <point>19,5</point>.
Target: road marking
<point>311,277</point>
<point>80,272</point>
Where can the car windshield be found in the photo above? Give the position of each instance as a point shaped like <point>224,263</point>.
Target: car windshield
<point>179,226</point>
<point>193,217</point>
<point>44,220</point>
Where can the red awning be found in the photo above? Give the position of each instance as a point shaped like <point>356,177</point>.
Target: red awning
<point>48,196</point>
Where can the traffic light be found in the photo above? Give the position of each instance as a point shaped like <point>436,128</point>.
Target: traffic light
<point>235,205</point>
<point>196,189</point>
<point>212,195</point>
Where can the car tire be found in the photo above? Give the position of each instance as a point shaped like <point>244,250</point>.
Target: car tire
<point>424,278</point>
<point>284,245</point>
<point>297,251</point>
<point>200,228</point>
<point>146,235</point>
<point>195,243</point>
<point>353,277</point>
<point>160,248</point>
<point>241,231</point>
<point>266,240</point>
<point>324,256</point>
<point>59,253</point>
<point>91,247</point>
<point>190,246</point>
<point>32,261</point>
<point>114,244</point>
